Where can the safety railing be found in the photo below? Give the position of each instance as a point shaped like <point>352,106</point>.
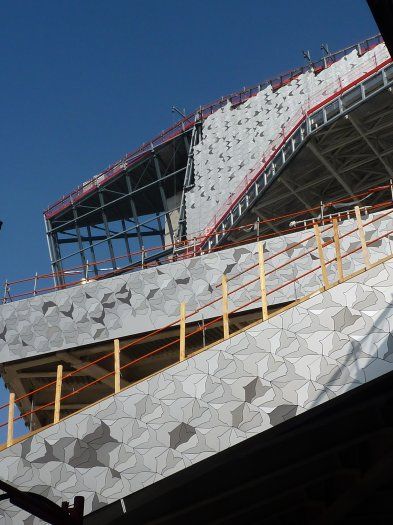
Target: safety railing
<point>333,99</point>
<point>200,114</point>
<point>178,345</point>
<point>14,290</point>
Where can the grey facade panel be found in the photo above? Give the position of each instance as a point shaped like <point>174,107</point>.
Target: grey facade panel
<point>150,298</point>
<point>237,140</point>
<point>331,343</point>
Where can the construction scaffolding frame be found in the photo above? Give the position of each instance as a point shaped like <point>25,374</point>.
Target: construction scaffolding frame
<point>129,213</point>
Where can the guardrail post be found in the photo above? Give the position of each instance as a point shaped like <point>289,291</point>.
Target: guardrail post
<point>59,381</point>
<point>10,428</point>
<point>225,309</point>
<point>317,234</point>
<point>143,257</point>
<point>362,237</point>
<point>262,281</point>
<point>116,356</point>
<point>5,291</point>
<point>336,235</point>
<point>182,331</point>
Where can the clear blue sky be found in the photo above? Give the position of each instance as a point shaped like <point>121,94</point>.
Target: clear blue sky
<point>84,82</point>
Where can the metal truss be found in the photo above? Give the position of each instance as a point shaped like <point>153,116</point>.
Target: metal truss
<point>343,154</point>
<point>188,180</point>
<point>129,214</point>
<point>144,206</point>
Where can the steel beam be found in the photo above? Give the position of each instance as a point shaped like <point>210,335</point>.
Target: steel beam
<point>108,234</point>
<point>163,196</point>
<point>93,255</point>
<point>296,194</point>
<point>54,253</point>
<point>127,244</point>
<point>78,235</point>
<point>95,371</point>
<point>115,201</point>
<point>134,211</point>
<point>329,167</point>
<point>359,129</point>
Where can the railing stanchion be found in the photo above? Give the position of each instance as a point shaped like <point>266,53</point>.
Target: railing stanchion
<point>362,237</point>
<point>336,234</point>
<point>35,283</point>
<point>182,331</point>
<point>5,291</point>
<point>225,309</point>
<point>143,257</point>
<point>262,281</point>
<point>59,382</point>
<point>116,356</point>
<point>317,233</point>
<point>10,428</point>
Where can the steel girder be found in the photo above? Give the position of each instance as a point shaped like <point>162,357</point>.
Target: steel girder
<point>338,159</point>
<point>126,215</point>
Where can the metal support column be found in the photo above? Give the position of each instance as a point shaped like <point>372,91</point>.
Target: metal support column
<point>93,255</point>
<point>134,211</point>
<point>126,242</point>
<point>358,128</point>
<point>78,235</point>
<point>181,231</point>
<point>163,196</point>
<point>55,256</point>
<point>107,231</point>
<point>330,168</point>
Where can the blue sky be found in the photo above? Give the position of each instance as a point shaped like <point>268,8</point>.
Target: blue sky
<point>84,82</point>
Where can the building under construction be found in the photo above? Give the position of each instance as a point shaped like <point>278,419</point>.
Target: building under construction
<point>218,305</point>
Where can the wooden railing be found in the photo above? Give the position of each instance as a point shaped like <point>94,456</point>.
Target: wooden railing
<point>224,317</point>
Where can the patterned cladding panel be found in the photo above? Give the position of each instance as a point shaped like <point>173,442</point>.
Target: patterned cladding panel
<point>235,139</point>
<point>149,299</point>
<point>299,359</point>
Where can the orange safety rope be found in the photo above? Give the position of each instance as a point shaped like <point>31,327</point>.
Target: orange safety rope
<point>109,374</point>
<point>211,234</point>
<point>159,330</point>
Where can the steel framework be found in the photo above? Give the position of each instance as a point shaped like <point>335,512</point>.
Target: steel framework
<point>137,209</point>
<point>335,151</point>
<point>139,203</point>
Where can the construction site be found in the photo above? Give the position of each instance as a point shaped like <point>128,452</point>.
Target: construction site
<point>215,298</point>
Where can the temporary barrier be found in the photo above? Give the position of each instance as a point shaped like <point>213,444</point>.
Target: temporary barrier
<point>224,318</point>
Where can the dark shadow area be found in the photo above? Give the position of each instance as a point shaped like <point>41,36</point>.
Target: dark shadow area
<point>331,464</point>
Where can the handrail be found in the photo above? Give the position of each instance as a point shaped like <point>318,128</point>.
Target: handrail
<point>323,221</point>
<point>202,113</point>
<point>81,270</point>
<point>191,314</point>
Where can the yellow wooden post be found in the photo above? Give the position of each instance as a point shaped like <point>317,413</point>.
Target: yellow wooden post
<point>10,429</point>
<point>59,381</point>
<point>225,309</point>
<point>116,356</point>
<point>317,233</point>
<point>336,234</point>
<point>262,281</point>
<point>182,331</point>
<point>362,238</point>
